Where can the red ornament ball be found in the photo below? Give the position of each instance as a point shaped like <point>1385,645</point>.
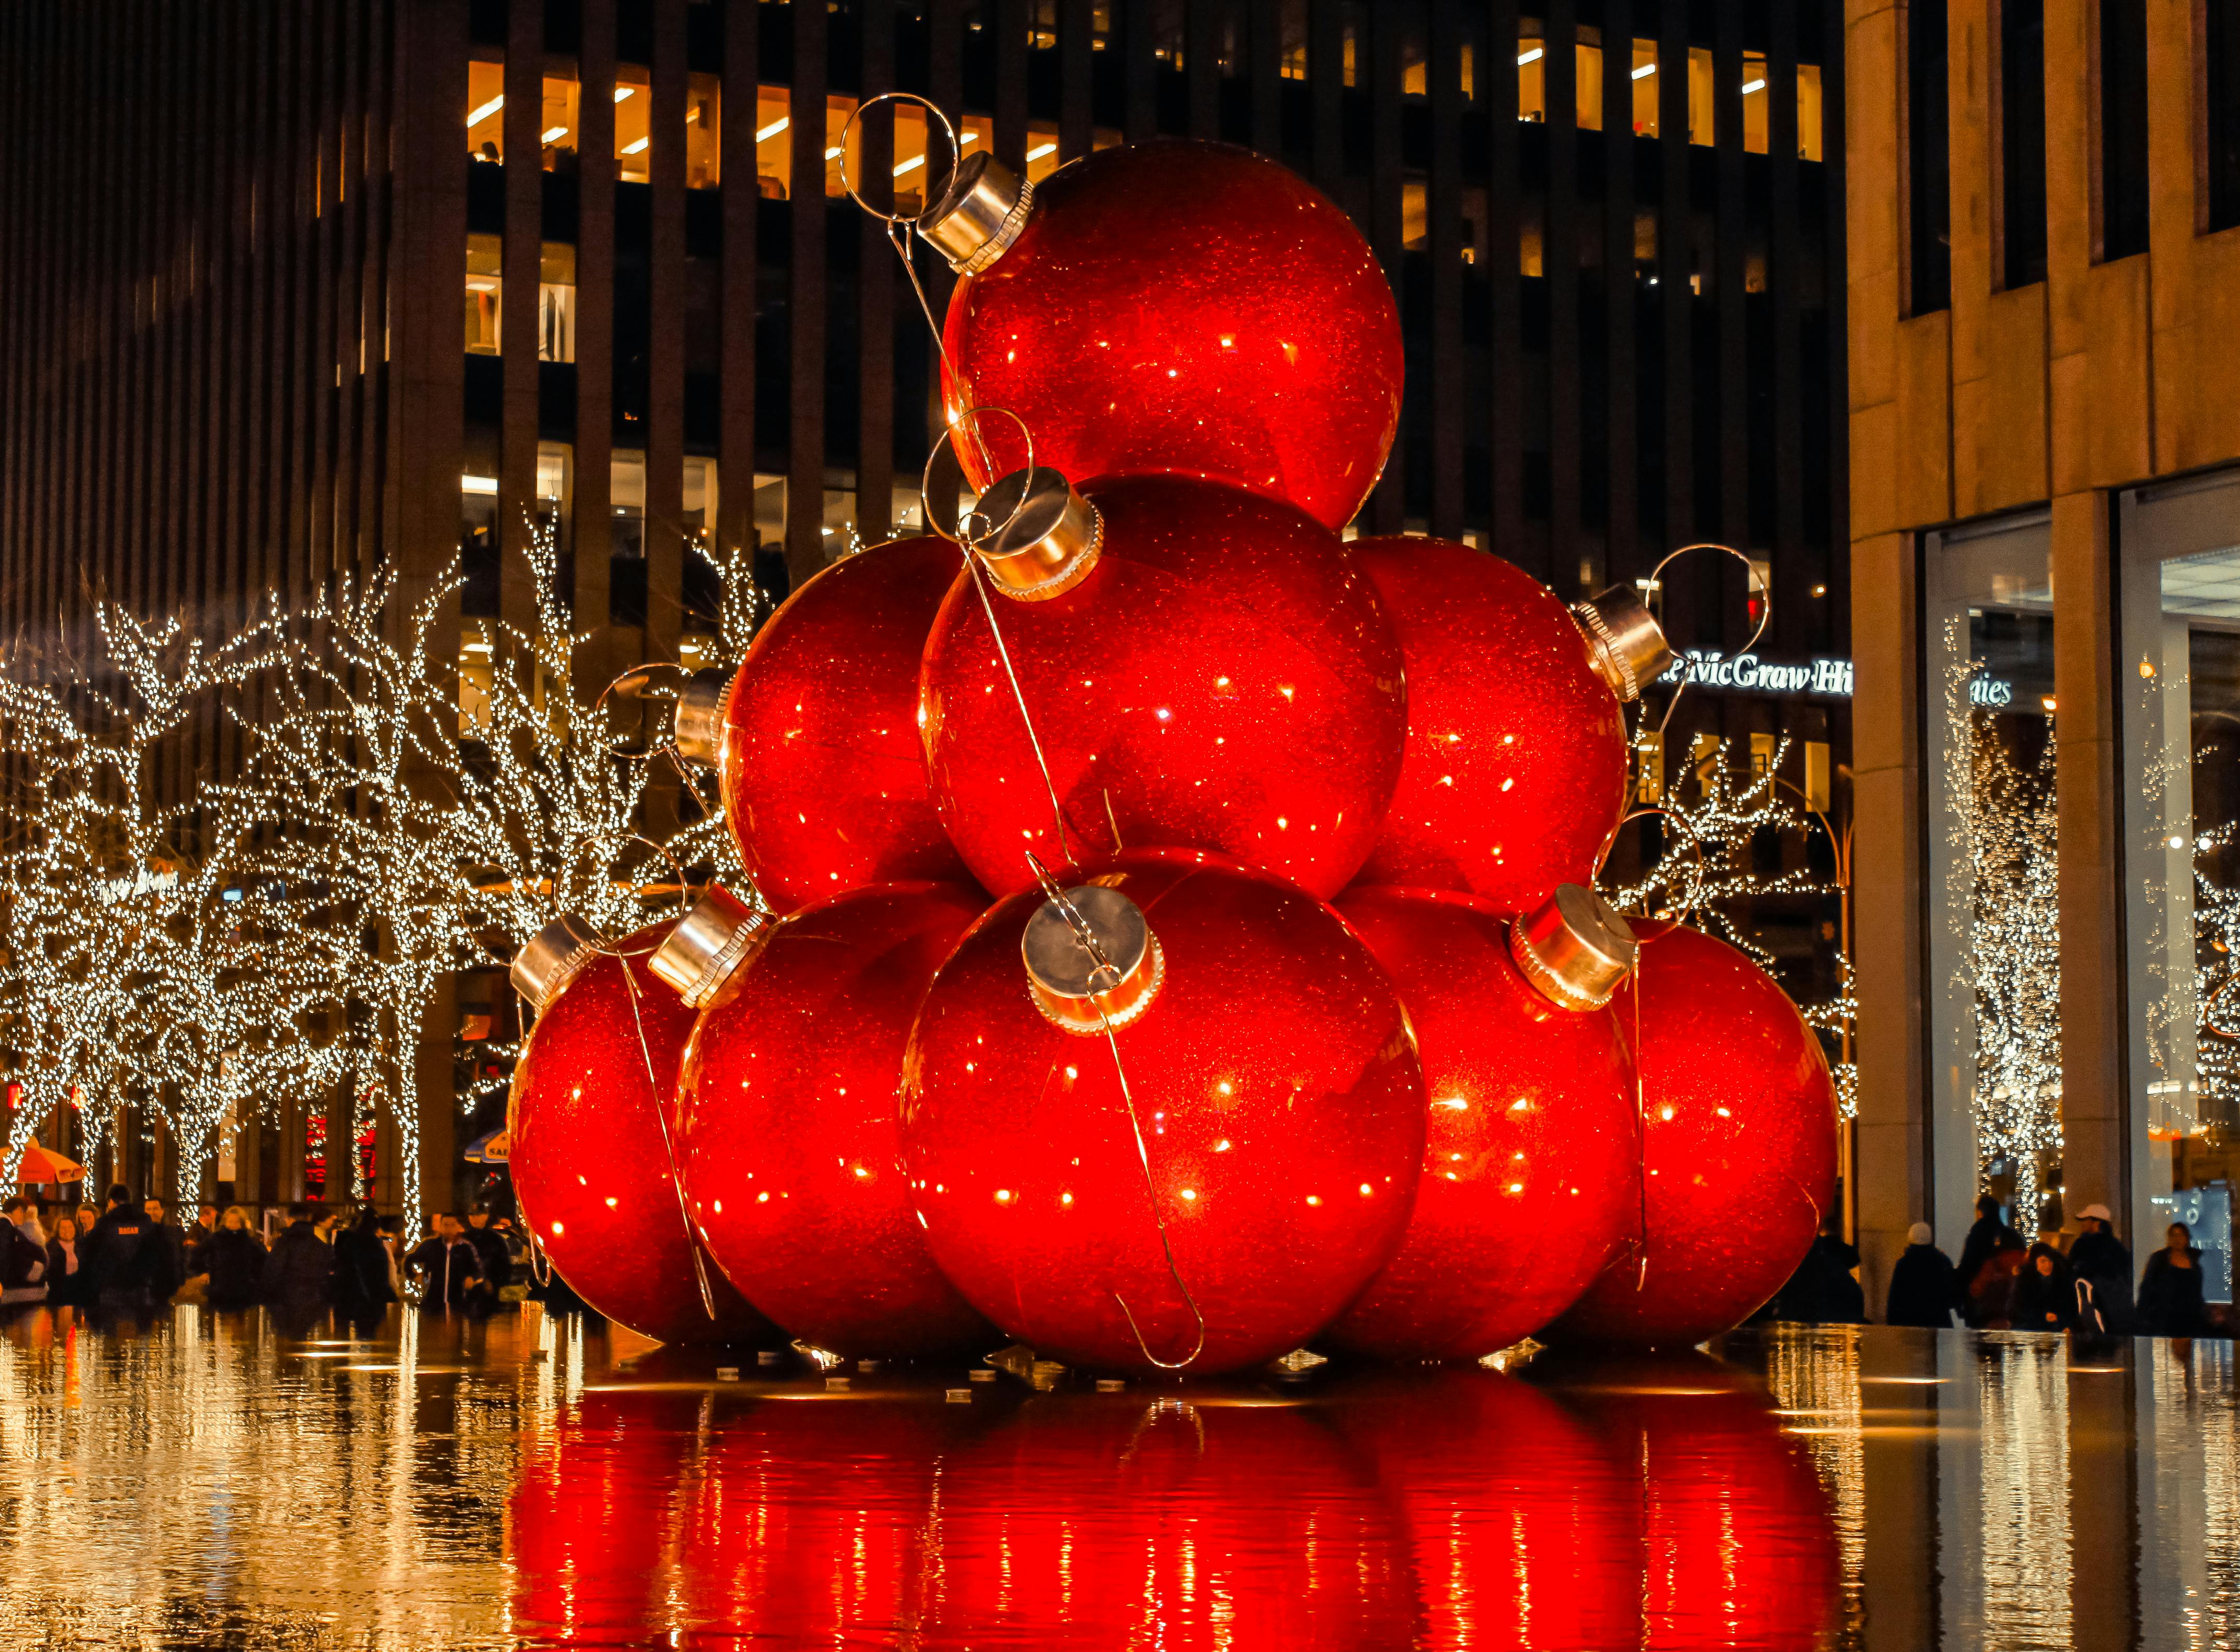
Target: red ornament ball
<point>822,779</point>
<point>1528,1153</point>
<point>790,1156</point>
<point>1738,1154</point>
<point>585,1124</point>
<point>1281,1109</point>
<point>1189,309</point>
<point>1222,679</point>
<point>1516,768</point>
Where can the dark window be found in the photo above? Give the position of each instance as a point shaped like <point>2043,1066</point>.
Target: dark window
<point>2123,127</point>
<point>1928,170</point>
<point>2223,41</point>
<point>2022,142</point>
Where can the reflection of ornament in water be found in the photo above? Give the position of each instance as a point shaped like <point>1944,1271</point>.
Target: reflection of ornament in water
<point>1737,1547</point>
<point>1281,1109</point>
<point>1235,1521</point>
<point>587,1157</point>
<point>1526,1531</point>
<point>1738,1153</point>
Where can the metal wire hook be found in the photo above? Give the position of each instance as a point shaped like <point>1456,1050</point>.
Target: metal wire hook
<point>956,158</point>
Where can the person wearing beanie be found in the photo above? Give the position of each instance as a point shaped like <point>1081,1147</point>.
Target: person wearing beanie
<point>1924,1283</point>
<point>2104,1262</point>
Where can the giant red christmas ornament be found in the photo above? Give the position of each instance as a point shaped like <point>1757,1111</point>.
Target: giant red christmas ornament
<point>823,786</point>
<point>1529,1156</point>
<point>1738,1546</point>
<point>1738,1154</point>
<point>1516,768</point>
<point>585,1121</point>
<point>1183,307</point>
<point>1214,673</point>
<point>791,1160</point>
<point>1272,1078</point>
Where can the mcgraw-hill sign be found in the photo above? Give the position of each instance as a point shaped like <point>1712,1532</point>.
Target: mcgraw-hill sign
<point>1749,674</point>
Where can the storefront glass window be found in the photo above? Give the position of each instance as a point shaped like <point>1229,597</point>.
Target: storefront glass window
<point>2179,678</point>
<point>1993,991</point>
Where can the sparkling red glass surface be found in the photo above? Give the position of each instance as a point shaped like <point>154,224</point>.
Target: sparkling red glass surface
<point>1281,1111</point>
<point>1516,765</point>
<point>1184,307</point>
<point>1529,1149</point>
<point>589,1169</point>
<point>1738,1131</point>
<point>1224,679</point>
<point>1524,1526</point>
<point>823,784</point>
<point>1738,1547</point>
<point>790,1156</point>
<point>1137,1522</point>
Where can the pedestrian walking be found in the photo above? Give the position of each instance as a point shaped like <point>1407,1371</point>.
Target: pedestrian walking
<point>2045,1297</point>
<point>363,1287</point>
<point>1923,1285</point>
<point>23,1259</point>
<point>451,1267</point>
<point>130,1258</point>
<point>66,1274</point>
<point>233,1258</point>
<point>2170,1289</point>
<point>1990,1260</point>
<point>2102,1261</point>
<point>299,1275</point>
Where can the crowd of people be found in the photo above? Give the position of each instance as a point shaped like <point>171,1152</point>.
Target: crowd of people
<point>2003,1282</point>
<point>133,1255</point>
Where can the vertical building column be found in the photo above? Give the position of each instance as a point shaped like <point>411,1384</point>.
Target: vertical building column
<point>665,435</point>
<point>1896,1169</point>
<point>523,264</point>
<point>2095,1108</point>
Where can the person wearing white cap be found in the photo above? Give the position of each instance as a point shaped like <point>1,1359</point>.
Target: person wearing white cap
<point>2102,1260</point>
<point>1923,1286</point>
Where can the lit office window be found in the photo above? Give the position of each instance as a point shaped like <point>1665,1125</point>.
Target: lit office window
<point>1042,151</point>
<point>478,676</point>
<point>1701,127</point>
<point>485,110</point>
<point>555,501</point>
<point>1586,79</point>
<point>703,132</point>
<point>1645,89</point>
<point>562,117</point>
<point>1809,146</point>
<point>1533,75</point>
<point>702,584</point>
<point>556,303</point>
<point>485,288</point>
<point>1291,58</point>
<point>1757,104</point>
<point>633,126</point>
<point>626,580</point>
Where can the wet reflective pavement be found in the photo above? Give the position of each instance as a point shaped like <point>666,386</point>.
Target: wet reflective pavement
<point>209,1480</point>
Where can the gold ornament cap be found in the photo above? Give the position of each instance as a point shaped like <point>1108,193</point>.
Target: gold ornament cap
<point>1043,536</point>
<point>697,730</point>
<point>543,970</point>
<point>1089,951</point>
<point>710,945</point>
<point>979,215</point>
<point>1574,948</point>
<point>1625,645</point>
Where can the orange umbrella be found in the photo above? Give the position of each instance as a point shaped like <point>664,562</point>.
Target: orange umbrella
<point>39,1165</point>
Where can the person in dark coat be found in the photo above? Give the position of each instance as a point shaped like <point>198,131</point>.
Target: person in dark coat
<point>1981,1298</point>
<point>490,1245</point>
<point>23,1259</point>
<point>205,1229</point>
<point>362,1288</point>
<point>132,1260</point>
<point>2170,1289</point>
<point>451,1267</point>
<point>67,1273</point>
<point>2104,1262</point>
<point>299,1275</point>
<point>174,1248</point>
<point>1822,1291</point>
<point>2046,1294</point>
<point>1924,1283</point>
<point>234,1259</point>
